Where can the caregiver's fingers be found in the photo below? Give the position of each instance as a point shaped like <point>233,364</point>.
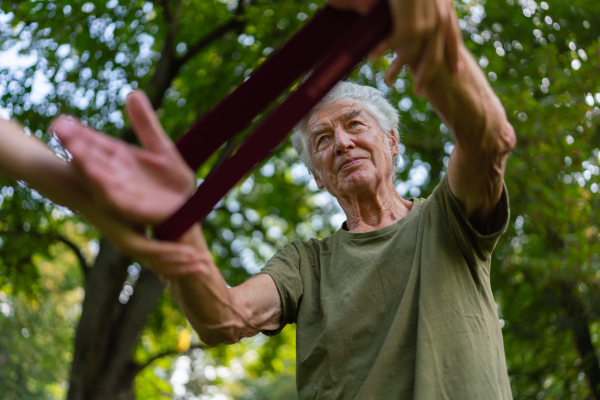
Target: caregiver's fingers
<point>69,130</point>
<point>168,270</point>
<point>145,123</point>
<point>162,257</point>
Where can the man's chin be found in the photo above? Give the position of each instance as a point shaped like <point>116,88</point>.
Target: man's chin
<point>357,184</point>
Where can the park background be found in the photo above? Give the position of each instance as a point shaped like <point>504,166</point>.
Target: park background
<point>77,319</point>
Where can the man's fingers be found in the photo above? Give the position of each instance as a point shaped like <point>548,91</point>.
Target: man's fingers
<point>433,56</point>
<point>145,123</point>
<point>453,41</point>
<point>403,57</point>
<point>429,64</point>
<point>393,71</point>
<point>378,50</point>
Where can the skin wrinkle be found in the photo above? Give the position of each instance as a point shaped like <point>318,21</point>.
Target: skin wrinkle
<point>373,102</point>
<point>364,189</point>
<point>237,318</point>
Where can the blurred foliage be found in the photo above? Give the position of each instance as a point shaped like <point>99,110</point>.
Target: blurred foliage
<point>78,57</point>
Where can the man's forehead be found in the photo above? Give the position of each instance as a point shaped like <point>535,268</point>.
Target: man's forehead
<point>340,109</point>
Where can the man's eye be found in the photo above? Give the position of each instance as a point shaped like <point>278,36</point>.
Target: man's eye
<point>354,123</point>
<point>322,139</point>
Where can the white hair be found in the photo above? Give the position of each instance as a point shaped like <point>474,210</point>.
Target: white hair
<point>372,100</point>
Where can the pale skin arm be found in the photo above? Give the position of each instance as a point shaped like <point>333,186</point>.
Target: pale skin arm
<point>123,177</point>
<point>28,159</point>
<point>24,158</point>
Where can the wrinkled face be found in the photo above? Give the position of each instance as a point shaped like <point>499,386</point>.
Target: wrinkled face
<point>350,153</point>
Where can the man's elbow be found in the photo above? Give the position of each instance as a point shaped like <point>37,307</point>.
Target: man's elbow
<point>505,139</point>
<point>500,140</point>
<point>508,138</point>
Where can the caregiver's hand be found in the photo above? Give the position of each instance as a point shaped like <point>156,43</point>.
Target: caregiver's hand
<point>26,158</point>
<point>143,185</point>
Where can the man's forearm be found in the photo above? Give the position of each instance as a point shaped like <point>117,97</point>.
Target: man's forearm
<point>482,134</point>
<point>206,301</point>
<point>467,103</point>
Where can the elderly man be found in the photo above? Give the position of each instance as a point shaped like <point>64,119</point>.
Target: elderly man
<point>397,304</point>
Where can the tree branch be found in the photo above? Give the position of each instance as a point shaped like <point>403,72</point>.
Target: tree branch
<point>168,353</point>
<point>128,324</point>
<point>224,155</point>
<point>85,267</point>
<point>168,65</point>
<point>177,17</point>
<point>194,49</point>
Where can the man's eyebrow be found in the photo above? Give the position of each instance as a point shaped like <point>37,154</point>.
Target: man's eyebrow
<point>318,131</point>
<point>346,116</point>
<point>351,114</point>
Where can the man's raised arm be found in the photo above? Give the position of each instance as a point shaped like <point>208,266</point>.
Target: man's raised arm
<point>426,36</point>
<point>483,136</point>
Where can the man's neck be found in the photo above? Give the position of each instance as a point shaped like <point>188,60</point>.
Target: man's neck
<point>369,212</point>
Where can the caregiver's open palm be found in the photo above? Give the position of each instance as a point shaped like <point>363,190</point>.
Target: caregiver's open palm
<point>144,185</point>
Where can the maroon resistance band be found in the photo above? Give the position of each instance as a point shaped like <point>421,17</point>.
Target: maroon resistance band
<point>334,42</point>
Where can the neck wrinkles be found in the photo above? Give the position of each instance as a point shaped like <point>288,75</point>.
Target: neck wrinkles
<point>367,212</point>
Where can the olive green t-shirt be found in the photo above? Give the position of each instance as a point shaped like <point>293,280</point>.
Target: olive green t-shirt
<point>403,312</point>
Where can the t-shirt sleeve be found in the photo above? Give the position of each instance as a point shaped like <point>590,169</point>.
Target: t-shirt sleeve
<point>284,268</point>
<point>476,246</point>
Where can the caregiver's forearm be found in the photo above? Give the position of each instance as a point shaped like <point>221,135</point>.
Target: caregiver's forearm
<point>28,159</point>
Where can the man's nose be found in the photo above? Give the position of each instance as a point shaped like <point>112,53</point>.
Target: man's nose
<point>343,141</point>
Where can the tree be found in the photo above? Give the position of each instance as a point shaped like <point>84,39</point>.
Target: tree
<point>542,59</point>
<point>93,54</point>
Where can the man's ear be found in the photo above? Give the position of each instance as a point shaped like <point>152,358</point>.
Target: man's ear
<point>393,142</point>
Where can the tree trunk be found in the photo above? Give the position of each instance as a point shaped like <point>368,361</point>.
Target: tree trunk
<point>108,331</point>
<point>579,321</point>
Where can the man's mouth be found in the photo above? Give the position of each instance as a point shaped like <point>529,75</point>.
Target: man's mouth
<point>350,162</point>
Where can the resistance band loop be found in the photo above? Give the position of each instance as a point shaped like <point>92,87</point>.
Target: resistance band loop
<point>342,55</point>
<point>294,59</point>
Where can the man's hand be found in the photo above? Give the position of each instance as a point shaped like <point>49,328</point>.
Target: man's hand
<point>424,36</point>
<point>143,185</point>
